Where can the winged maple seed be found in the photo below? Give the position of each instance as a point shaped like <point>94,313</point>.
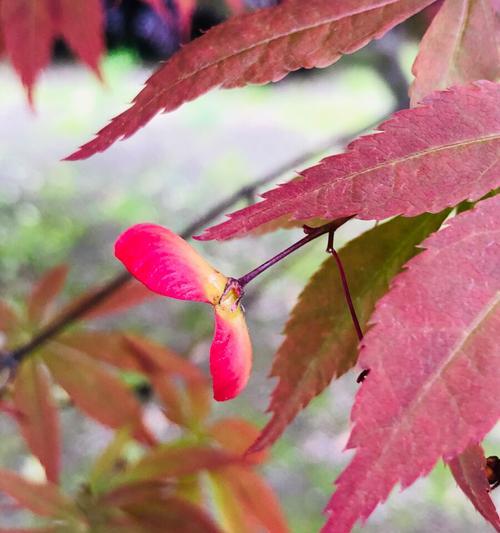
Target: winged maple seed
<point>166,264</point>
<point>169,266</point>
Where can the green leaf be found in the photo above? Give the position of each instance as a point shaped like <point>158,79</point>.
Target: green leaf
<point>107,463</point>
<point>320,340</point>
<point>230,513</point>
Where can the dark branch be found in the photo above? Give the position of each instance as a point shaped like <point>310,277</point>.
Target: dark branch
<point>54,328</point>
<point>311,235</point>
<point>11,359</point>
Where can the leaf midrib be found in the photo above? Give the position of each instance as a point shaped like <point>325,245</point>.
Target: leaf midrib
<point>429,383</point>
<point>446,363</point>
<point>385,164</point>
<point>456,48</point>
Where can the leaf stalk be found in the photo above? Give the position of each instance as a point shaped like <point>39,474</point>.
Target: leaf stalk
<point>311,235</point>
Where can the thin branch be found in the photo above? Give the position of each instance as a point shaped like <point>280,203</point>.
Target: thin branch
<point>311,235</point>
<point>249,191</point>
<point>11,359</point>
<point>54,328</point>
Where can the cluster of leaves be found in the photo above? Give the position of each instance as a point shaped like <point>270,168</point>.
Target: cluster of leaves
<point>423,160</point>
<point>434,319</point>
<point>172,483</point>
<point>29,29</point>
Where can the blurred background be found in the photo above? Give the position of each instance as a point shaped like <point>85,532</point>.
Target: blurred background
<point>171,172</point>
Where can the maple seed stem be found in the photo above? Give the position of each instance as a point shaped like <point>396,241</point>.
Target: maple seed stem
<point>311,234</point>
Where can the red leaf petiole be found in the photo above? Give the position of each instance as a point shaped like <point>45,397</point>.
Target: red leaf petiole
<point>331,250</point>
<point>312,233</point>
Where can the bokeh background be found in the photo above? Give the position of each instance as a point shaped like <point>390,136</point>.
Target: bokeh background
<point>172,171</point>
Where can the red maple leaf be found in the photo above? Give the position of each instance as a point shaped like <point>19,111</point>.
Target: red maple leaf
<point>464,33</point>
<point>434,359</point>
<point>257,47</point>
<point>424,160</point>
<point>468,469</point>
<point>30,29</point>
